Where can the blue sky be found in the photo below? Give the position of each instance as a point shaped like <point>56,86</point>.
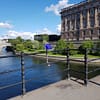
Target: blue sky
<point>23,17</point>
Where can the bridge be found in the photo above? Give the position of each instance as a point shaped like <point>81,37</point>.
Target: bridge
<point>3,44</point>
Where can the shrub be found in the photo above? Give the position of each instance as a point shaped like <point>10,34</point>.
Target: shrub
<point>62,45</point>
<point>70,45</point>
<point>97,46</point>
<point>86,45</point>
<point>19,47</point>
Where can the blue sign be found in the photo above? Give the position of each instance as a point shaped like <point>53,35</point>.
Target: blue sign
<point>48,46</point>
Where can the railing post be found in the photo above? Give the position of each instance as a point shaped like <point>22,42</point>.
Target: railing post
<point>46,56</point>
<point>22,74</point>
<point>86,66</point>
<point>68,66</point>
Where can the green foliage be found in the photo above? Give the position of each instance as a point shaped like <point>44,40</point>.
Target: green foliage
<point>70,45</point>
<point>45,37</point>
<point>62,45</point>
<point>42,37</point>
<point>19,44</point>
<point>28,45</point>
<point>41,46</point>
<point>36,44</point>
<point>97,46</point>
<point>19,47</point>
<point>44,42</point>
<point>16,41</point>
<point>19,39</point>
<point>86,45</point>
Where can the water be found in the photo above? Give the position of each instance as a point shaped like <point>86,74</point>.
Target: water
<point>39,70</point>
<point>42,74</point>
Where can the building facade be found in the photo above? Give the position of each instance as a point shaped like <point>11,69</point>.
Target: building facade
<point>81,21</point>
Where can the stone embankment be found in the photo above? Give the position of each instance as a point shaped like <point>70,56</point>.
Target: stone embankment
<point>63,58</point>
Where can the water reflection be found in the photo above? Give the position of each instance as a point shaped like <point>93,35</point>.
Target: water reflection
<point>39,71</point>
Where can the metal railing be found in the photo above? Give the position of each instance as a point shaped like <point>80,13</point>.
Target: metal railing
<point>85,61</point>
<point>22,70</point>
<point>68,69</point>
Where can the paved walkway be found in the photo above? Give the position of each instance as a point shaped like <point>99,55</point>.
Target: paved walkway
<point>65,90</point>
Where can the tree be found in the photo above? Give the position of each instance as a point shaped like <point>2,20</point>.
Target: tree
<point>19,39</point>
<point>41,46</point>
<point>36,44</point>
<point>97,46</point>
<point>62,45</point>
<point>19,47</point>
<point>28,45</point>
<point>70,45</point>
<point>86,45</point>
<point>16,41</point>
<point>45,37</point>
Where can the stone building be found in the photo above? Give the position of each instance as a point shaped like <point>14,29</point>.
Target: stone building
<point>81,21</point>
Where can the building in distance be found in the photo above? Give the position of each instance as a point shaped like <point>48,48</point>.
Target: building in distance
<point>81,21</point>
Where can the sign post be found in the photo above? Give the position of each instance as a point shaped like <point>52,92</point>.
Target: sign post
<point>47,47</point>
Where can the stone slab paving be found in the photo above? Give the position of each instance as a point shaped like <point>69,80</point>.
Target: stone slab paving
<point>65,90</point>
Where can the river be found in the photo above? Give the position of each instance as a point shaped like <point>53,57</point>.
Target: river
<point>42,74</point>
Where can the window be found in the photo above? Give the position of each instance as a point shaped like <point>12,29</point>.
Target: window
<point>84,23</point>
<point>84,13</point>
<point>92,22</point>
<point>68,24</point>
<point>99,10</point>
<point>92,12</point>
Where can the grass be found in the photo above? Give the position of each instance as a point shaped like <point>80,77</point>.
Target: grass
<point>73,56</point>
<point>82,55</point>
<point>59,55</point>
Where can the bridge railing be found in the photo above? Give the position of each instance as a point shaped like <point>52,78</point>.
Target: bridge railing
<point>68,68</point>
<point>22,70</point>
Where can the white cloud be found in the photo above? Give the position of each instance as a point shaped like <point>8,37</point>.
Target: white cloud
<point>5,25</point>
<point>57,7</point>
<point>45,31</point>
<point>25,35</point>
<point>12,34</point>
<point>59,28</point>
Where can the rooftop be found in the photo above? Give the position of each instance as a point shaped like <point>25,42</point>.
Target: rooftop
<point>76,5</point>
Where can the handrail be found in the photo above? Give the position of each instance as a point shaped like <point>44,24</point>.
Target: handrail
<point>68,60</point>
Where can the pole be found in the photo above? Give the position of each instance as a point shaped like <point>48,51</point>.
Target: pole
<point>68,66</point>
<point>23,74</point>
<point>47,56</point>
<point>86,66</point>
